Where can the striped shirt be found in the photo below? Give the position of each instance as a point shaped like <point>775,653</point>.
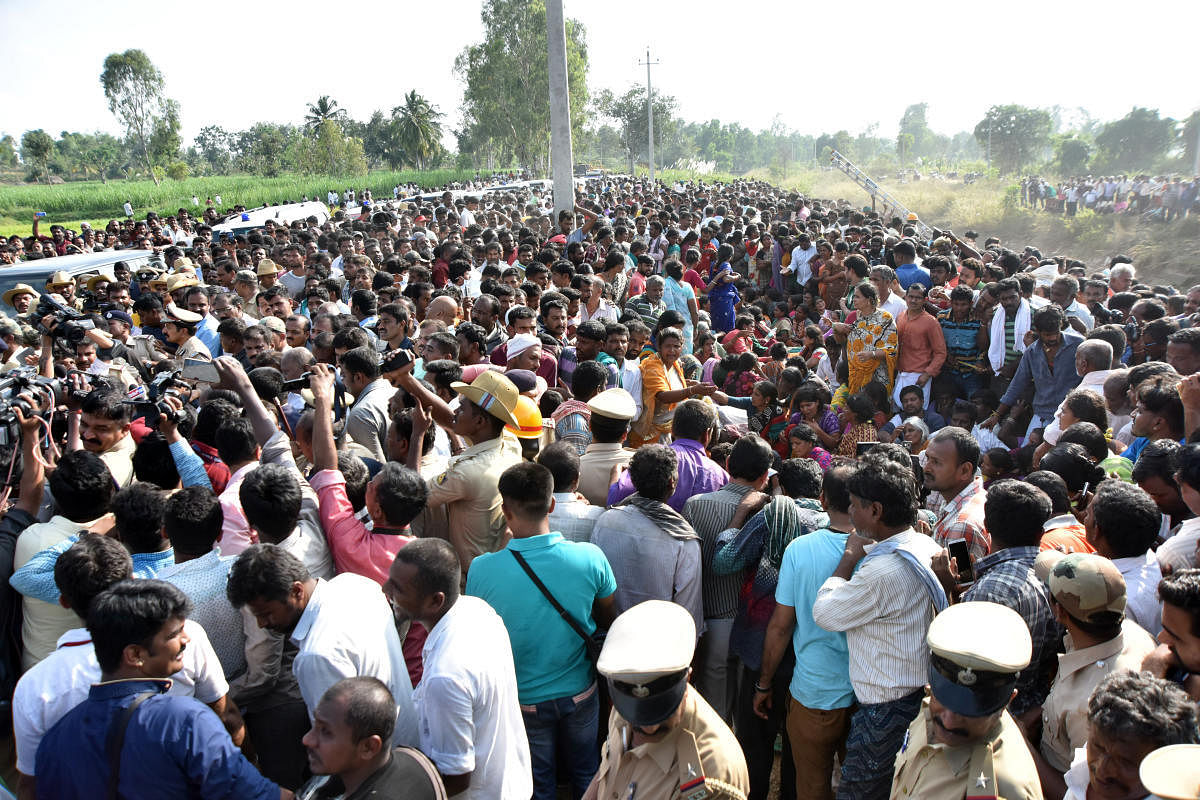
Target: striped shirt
<point>709,514</point>
<point>1011,354</point>
<point>962,350</point>
<point>649,312</point>
<point>885,612</point>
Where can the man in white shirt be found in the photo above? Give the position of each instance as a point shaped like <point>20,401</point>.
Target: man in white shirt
<point>885,607</point>
<point>470,716</point>
<point>1122,523</point>
<point>802,253</point>
<point>883,279</point>
<point>61,681</point>
<point>342,627</point>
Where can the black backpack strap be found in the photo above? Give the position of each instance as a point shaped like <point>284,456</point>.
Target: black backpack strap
<point>562,612</point>
<point>116,742</point>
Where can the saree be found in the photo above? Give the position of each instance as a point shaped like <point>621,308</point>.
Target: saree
<point>654,426</point>
<point>874,331</point>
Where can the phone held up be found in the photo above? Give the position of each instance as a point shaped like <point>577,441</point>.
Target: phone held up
<point>962,559</point>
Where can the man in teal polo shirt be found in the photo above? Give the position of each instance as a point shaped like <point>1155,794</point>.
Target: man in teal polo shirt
<point>819,719</point>
<point>555,679</point>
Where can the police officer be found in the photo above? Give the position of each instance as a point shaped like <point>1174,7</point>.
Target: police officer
<point>664,741</point>
<point>964,743</point>
<point>1172,772</point>
<point>613,410</point>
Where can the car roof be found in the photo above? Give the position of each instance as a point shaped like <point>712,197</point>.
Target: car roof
<point>35,273</point>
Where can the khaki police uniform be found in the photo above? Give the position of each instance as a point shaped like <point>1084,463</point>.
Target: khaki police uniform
<point>1000,766</point>
<point>595,465</point>
<point>1091,589</point>
<point>645,660</point>
<point>977,651</point>
<point>469,486</point>
<point>691,762</point>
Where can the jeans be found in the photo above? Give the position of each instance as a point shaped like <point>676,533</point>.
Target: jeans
<point>876,734</point>
<point>569,725</point>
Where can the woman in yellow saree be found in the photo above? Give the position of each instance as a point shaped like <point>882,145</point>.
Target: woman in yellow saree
<point>663,387</point>
<point>871,342</point>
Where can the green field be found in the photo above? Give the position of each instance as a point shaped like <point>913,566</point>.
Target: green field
<point>96,202</point>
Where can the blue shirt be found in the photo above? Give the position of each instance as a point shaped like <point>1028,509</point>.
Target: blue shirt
<point>821,679</point>
<point>910,274</point>
<point>1049,388</point>
<point>549,656</point>
<point>175,747</point>
<point>35,578</point>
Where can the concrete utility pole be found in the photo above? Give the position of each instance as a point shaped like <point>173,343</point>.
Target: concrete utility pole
<point>1196,155</point>
<point>650,112</point>
<point>560,109</point>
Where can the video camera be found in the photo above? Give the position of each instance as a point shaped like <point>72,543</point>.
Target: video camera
<point>152,403</point>
<point>69,324</point>
<point>25,380</point>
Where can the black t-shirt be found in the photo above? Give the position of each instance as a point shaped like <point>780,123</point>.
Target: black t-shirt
<point>408,775</point>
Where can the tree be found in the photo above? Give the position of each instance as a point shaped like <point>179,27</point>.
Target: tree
<point>1190,132</point>
<point>326,108</point>
<point>629,112</point>
<point>165,141</point>
<point>36,148</point>
<point>505,100</point>
<point>1135,142</point>
<point>418,129</point>
<point>263,150</point>
<point>134,88</point>
<point>913,124</point>
<point>329,151</point>
<point>1071,155</point>
<point>214,144</point>
<point>8,151</point>
<point>1017,135</point>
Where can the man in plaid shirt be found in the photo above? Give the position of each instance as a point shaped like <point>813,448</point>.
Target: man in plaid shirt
<point>951,458</point>
<point>1014,514</point>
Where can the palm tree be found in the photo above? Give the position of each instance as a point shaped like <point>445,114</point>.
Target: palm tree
<point>418,127</point>
<point>325,108</point>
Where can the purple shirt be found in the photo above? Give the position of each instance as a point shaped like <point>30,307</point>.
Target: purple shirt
<point>697,474</point>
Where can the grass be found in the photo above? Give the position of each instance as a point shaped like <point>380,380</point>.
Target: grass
<point>1162,253</point>
<point>96,202</point>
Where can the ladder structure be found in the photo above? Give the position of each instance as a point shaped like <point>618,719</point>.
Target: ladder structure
<point>890,204</point>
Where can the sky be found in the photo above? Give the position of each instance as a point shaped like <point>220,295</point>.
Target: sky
<point>856,65</point>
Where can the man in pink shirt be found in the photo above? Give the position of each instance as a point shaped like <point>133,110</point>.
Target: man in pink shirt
<point>395,496</point>
<point>922,345</point>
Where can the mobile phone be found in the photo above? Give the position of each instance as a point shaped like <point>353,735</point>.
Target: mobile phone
<point>962,559</point>
<point>862,448</point>
<point>396,359</point>
<point>198,369</point>
<point>40,214</point>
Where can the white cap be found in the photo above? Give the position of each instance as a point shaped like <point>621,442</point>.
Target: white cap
<point>1172,772</point>
<point>649,641</point>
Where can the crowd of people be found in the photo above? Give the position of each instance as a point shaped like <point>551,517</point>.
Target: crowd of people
<point>641,499</point>
<point>1162,197</point>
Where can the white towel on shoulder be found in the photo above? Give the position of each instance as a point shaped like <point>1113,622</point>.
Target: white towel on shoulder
<point>1020,328</point>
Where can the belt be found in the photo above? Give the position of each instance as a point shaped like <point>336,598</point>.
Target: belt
<point>579,698</point>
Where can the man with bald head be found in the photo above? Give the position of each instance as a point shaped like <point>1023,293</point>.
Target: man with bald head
<point>1093,359</point>
<point>443,309</point>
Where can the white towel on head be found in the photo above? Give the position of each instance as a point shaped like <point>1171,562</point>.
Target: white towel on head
<point>1020,328</point>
